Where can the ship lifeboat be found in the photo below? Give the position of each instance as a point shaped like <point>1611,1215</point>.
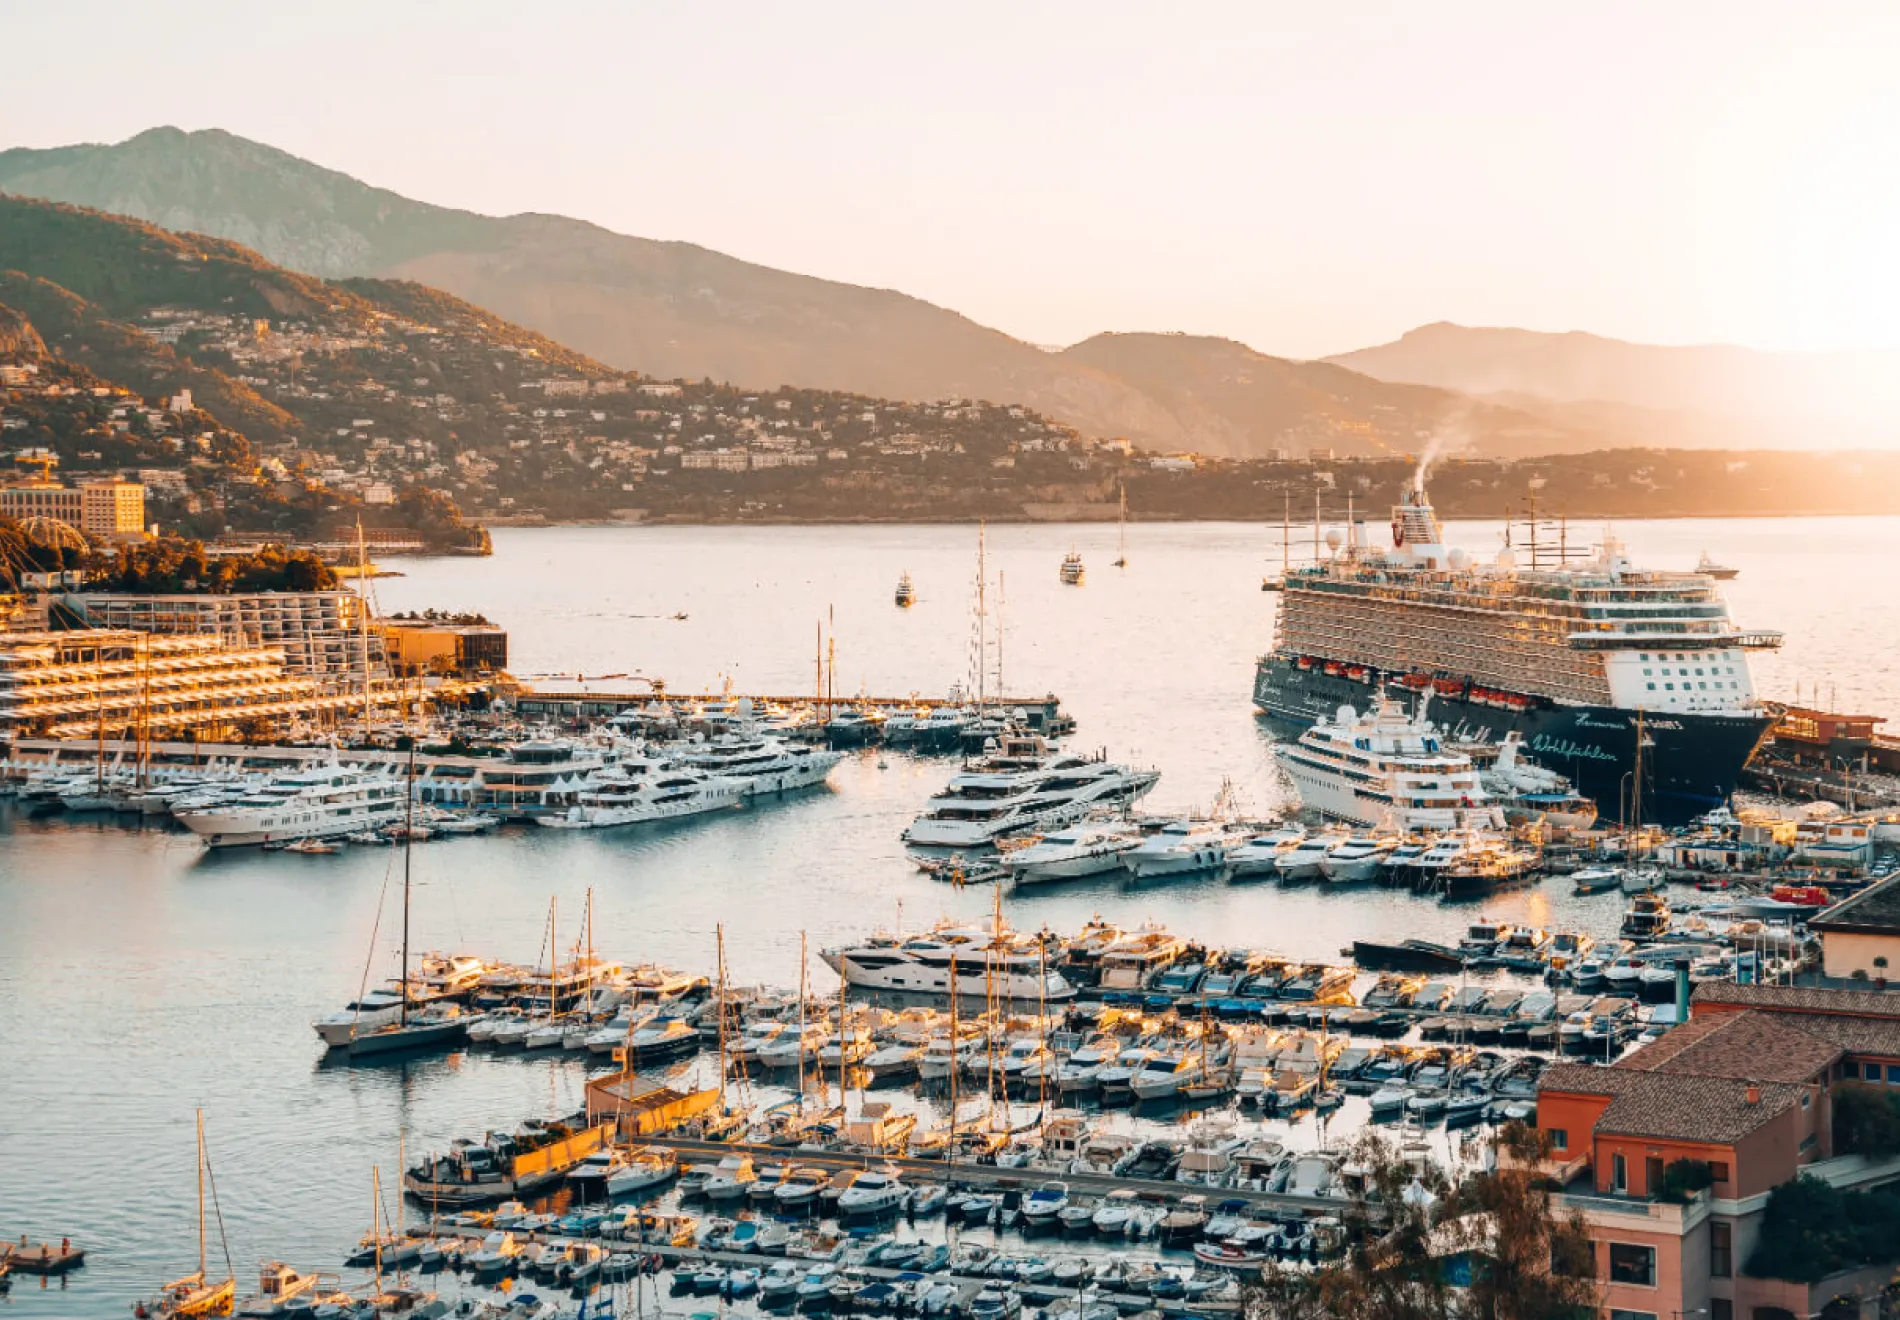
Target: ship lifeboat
<point>1805,895</point>
<point>1357,673</point>
<point>1447,687</point>
<point>1416,682</point>
<point>1334,668</point>
<point>1303,662</point>
<point>1516,702</point>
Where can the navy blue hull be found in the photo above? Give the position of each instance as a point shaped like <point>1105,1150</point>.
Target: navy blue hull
<point>1690,765</point>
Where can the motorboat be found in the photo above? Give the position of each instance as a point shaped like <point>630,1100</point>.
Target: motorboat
<point>1073,852</point>
<point>1184,847</point>
<point>1305,859</point>
<point>1044,1206</point>
<point>760,763</point>
<point>1260,855</point>
<point>1387,770</point>
<point>873,1193</point>
<point>1072,572</point>
<point>906,593</point>
<point>1356,860</point>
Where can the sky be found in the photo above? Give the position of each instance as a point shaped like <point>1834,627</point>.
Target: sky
<point>1307,178</point>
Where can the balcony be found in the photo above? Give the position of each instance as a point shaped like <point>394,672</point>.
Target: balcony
<point>1618,1210</point>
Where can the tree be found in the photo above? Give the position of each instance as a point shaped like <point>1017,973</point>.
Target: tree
<point>1866,1121</point>
<point>1418,1246</point>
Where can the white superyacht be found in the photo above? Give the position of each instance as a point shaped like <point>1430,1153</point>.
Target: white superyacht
<point>999,962</point>
<point>761,763</point>
<point>1021,786</point>
<point>639,788</point>
<point>321,802</point>
<point>1387,769</point>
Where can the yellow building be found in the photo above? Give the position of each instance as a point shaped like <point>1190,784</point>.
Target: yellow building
<point>1860,936</point>
<point>426,646</point>
<point>113,509</point>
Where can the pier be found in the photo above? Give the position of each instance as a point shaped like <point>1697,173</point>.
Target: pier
<point>43,1258</point>
<point>582,702</point>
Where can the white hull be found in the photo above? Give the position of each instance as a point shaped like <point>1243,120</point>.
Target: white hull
<point>971,979</point>
<point>239,829</point>
<point>599,818</point>
<point>1176,861</point>
<point>1354,871</point>
<point>816,771</point>
<point>342,1030</point>
<point>928,832</point>
<point>1095,862</point>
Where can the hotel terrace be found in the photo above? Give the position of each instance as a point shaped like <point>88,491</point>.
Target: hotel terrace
<point>96,682</point>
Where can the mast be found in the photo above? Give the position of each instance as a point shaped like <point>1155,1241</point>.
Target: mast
<point>841,1044</point>
<point>956,1066</point>
<point>201,1196</point>
<point>982,616</point>
<point>801,1020</point>
<point>376,1218</point>
<point>719,934</point>
<point>362,622</point>
<point>408,846</point>
<point>1001,691</point>
<point>1286,534</point>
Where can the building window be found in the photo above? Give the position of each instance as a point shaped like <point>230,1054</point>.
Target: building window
<point>1619,1173</point>
<point>1893,1074</point>
<point>1721,1250</point>
<point>1559,1138</point>
<point>1630,1263</point>
<point>1872,1071</point>
<point>1652,687</point>
<point>1632,1315</point>
<point>1718,1171</point>
<point>1721,1308</point>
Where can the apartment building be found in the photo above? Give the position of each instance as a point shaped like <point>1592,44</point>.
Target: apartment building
<point>1747,1088</point>
<point>112,510</point>
<point>321,633</point>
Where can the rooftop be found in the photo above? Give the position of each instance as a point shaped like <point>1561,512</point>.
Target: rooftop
<point>1798,999</point>
<point>1873,911</point>
<point>1760,1047</point>
<point>1674,1106</point>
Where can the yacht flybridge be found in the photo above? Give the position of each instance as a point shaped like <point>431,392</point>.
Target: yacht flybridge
<point>1390,770</point>
<point>640,788</point>
<point>762,764</point>
<point>1022,785</point>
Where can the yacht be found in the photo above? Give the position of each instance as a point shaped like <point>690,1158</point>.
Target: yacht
<point>641,788</point>
<point>1183,847</point>
<point>1090,848</point>
<point>320,802</point>
<point>906,593</point>
<point>1072,573</point>
<point>1260,855</point>
<point>1720,572</point>
<point>1356,860</point>
<point>1001,962</point>
<point>1389,770</point>
<point>1021,787</point>
<point>761,764</point>
<point>1306,858</point>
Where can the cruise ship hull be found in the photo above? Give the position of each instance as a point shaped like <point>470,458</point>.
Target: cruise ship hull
<point>1690,766</point>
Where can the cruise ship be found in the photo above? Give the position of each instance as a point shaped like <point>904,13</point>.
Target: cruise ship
<point>1020,786</point>
<point>999,962</point>
<point>321,802</point>
<point>1388,770</point>
<point>1573,654</point>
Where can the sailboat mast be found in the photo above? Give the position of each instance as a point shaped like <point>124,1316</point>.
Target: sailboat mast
<point>719,935</point>
<point>956,1064</point>
<point>362,621</point>
<point>201,1195</point>
<point>408,846</point>
<point>841,1044</point>
<point>801,1020</point>
<point>982,617</point>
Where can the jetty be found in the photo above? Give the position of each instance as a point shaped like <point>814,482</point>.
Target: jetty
<point>24,1257</point>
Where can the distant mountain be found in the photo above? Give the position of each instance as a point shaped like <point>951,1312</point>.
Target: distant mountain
<point>674,310</point>
<point>1780,398</point>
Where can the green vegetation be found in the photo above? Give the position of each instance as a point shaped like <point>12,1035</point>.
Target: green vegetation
<point>1866,1121</point>
<point>1682,1179</point>
<point>1420,1247</point>
<point>167,566</point>
<point>1811,1230</point>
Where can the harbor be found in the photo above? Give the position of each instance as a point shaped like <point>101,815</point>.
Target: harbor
<point>198,971</point>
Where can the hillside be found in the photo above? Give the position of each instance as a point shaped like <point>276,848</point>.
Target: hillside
<point>1799,399</point>
<point>678,311</point>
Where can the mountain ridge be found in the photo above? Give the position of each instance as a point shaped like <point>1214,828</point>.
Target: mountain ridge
<point>676,310</point>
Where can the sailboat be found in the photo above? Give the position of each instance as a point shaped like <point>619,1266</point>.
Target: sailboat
<point>196,1295</point>
<point>1121,532</point>
<point>412,1029</point>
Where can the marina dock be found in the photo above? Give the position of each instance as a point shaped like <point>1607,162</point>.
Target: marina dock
<point>23,1257</point>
